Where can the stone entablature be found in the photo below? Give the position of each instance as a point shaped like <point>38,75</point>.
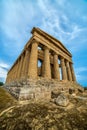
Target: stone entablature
<point>55,60</point>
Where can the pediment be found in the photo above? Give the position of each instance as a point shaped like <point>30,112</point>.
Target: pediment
<point>44,35</point>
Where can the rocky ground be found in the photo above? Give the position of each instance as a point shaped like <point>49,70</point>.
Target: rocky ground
<point>64,111</point>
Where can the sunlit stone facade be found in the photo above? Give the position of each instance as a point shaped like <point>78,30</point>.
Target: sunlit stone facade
<point>42,56</point>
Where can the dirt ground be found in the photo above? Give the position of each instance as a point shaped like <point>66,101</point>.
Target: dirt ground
<point>42,114</point>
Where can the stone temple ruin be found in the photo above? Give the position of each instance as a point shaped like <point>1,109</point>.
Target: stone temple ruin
<point>44,59</point>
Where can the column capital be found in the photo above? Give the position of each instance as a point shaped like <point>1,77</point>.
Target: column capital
<point>34,41</point>
<point>21,56</point>
<point>54,53</point>
<point>27,49</point>
<point>67,63</point>
<point>62,59</point>
<point>71,63</point>
<point>46,48</point>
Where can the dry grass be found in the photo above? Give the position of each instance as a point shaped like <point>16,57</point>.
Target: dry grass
<point>6,100</point>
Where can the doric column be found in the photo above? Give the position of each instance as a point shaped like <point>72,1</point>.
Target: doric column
<point>72,72</point>
<point>15,71</point>
<point>68,71</point>
<point>42,69</point>
<point>18,64</point>
<point>63,68</point>
<point>20,67</point>
<point>27,54</point>
<point>56,67</point>
<point>23,66</point>
<point>47,69</point>
<point>32,71</point>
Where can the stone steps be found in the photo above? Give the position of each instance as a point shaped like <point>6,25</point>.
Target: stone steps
<point>38,88</point>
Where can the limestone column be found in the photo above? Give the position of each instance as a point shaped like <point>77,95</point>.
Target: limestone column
<point>23,67</point>
<point>18,63</point>
<point>18,75</point>
<point>32,71</point>
<point>47,68</point>
<point>72,72</point>
<point>56,67</point>
<point>63,68</point>
<point>27,55</point>
<point>20,67</point>
<point>14,71</point>
<point>68,71</point>
<point>42,69</point>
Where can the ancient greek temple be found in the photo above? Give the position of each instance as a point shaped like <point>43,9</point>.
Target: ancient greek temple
<point>42,56</point>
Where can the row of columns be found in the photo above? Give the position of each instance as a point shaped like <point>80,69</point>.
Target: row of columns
<point>20,69</point>
<point>67,68</point>
<point>27,66</point>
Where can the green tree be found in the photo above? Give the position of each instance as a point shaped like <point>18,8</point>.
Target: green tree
<point>1,83</point>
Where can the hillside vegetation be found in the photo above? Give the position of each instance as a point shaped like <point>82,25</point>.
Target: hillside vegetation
<point>6,100</point>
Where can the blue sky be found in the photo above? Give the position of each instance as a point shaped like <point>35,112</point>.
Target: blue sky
<point>64,19</point>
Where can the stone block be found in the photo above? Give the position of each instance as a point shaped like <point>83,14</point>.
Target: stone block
<point>62,100</point>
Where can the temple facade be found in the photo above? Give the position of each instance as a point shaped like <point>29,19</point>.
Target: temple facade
<point>42,56</point>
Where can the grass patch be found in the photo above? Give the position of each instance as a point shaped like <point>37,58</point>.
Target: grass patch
<point>6,100</point>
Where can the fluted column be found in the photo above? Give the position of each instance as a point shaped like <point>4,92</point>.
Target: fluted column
<point>63,67</point>
<point>27,55</point>
<point>42,69</point>
<point>32,71</point>
<point>72,72</point>
<point>56,67</point>
<point>20,67</point>
<point>68,71</point>
<point>47,69</point>
<point>15,71</point>
<point>18,63</point>
<point>23,66</point>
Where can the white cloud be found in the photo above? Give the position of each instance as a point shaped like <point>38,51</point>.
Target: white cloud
<point>2,64</point>
<point>80,77</point>
<point>76,32</point>
<point>17,16</point>
<point>3,70</point>
<point>3,73</point>
<point>80,69</point>
<point>57,22</point>
<point>61,2</point>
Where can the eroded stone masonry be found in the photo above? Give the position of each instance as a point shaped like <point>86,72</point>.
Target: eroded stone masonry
<point>43,56</point>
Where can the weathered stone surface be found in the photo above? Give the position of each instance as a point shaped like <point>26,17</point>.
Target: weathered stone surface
<point>71,90</point>
<point>55,94</point>
<point>51,51</point>
<point>40,89</point>
<point>62,100</point>
<point>81,90</point>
